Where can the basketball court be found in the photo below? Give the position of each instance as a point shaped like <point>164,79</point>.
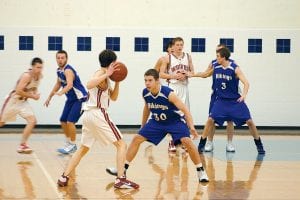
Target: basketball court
<point>240,175</point>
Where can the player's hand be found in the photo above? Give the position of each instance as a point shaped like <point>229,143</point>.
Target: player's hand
<point>112,68</point>
<point>47,102</point>
<point>36,96</point>
<point>241,99</point>
<point>194,134</point>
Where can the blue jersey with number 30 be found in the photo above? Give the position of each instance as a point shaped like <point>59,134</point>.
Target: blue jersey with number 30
<point>226,84</point>
<point>163,111</point>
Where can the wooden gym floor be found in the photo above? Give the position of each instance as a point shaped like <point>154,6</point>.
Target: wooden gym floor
<point>240,175</point>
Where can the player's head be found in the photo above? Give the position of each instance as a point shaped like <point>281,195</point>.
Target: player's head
<point>178,44</point>
<point>106,57</point>
<point>223,54</point>
<point>151,77</point>
<point>61,58</point>
<point>37,65</point>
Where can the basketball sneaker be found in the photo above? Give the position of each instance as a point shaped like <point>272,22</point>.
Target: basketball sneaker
<point>171,148</point>
<point>24,148</point>
<point>202,176</point>
<point>201,145</point>
<point>209,146</point>
<point>69,148</point>
<point>259,146</point>
<point>230,147</point>
<point>123,183</point>
<point>63,181</point>
<point>112,171</point>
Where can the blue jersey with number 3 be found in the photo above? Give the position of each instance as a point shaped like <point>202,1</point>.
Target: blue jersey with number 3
<point>225,82</point>
<point>163,111</point>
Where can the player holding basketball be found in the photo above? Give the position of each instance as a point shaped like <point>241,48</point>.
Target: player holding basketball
<point>229,104</point>
<point>16,103</point>
<point>69,81</point>
<point>177,67</point>
<point>164,106</point>
<point>96,124</point>
<point>230,128</point>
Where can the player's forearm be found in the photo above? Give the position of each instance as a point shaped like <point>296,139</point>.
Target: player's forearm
<point>22,93</point>
<point>145,117</point>
<point>54,90</point>
<point>245,89</point>
<point>165,75</point>
<point>94,82</point>
<point>115,93</point>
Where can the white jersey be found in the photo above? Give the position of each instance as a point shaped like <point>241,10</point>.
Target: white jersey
<point>15,104</point>
<point>96,123</point>
<point>31,86</point>
<point>177,65</point>
<point>98,98</point>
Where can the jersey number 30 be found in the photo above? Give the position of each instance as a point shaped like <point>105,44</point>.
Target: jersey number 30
<point>162,116</point>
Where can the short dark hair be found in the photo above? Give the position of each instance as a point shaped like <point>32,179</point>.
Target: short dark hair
<point>62,52</point>
<point>152,72</point>
<point>106,57</point>
<point>224,52</point>
<point>170,44</point>
<point>36,60</point>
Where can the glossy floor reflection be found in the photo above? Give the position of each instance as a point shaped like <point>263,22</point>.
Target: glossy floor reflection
<point>240,175</point>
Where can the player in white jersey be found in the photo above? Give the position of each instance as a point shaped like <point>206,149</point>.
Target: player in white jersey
<point>96,124</point>
<point>16,103</point>
<point>177,68</point>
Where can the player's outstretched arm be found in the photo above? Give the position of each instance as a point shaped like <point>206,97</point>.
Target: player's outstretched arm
<point>53,92</point>
<point>207,73</point>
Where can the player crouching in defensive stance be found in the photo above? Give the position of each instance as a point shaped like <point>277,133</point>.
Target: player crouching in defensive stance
<point>16,103</point>
<point>164,106</point>
<point>96,124</point>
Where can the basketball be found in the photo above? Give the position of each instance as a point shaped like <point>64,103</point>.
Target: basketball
<point>120,74</point>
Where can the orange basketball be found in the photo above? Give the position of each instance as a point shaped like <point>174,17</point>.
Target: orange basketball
<point>120,74</point>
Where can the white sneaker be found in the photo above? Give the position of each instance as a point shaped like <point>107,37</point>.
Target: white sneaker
<point>112,171</point>
<point>70,148</point>
<point>230,147</point>
<point>202,176</point>
<point>209,146</point>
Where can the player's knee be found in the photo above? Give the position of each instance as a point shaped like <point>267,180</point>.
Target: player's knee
<point>138,139</point>
<point>31,120</point>
<point>250,123</point>
<point>210,121</point>
<point>83,150</point>
<point>120,144</point>
<point>2,124</point>
<point>186,141</point>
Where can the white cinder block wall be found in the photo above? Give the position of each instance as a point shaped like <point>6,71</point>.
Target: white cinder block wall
<point>274,96</point>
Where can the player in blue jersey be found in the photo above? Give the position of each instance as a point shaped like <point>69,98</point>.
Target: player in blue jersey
<point>230,104</point>
<point>69,81</point>
<point>229,128</point>
<point>166,117</point>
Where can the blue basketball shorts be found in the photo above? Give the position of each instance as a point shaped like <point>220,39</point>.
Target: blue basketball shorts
<point>154,131</point>
<point>71,111</point>
<point>230,110</point>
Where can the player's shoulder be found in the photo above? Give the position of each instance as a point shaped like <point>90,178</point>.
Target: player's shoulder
<point>165,90</point>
